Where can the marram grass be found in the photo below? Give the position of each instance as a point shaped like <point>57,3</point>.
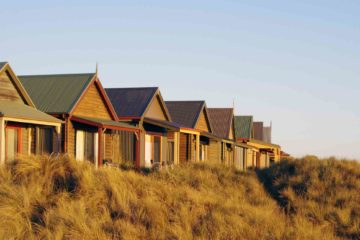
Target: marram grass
<point>59,198</point>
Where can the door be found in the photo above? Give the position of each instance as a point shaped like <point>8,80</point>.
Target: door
<point>86,146</point>
<point>12,142</point>
<point>157,150</point>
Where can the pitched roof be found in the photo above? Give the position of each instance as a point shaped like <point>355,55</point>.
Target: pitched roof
<point>131,102</point>
<point>21,111</point>
<point>5,67</point>
<point>56,93</point>
<point>2,64</point>
<point>243,126</point>
<point>221,119</point>
<point>258,128</point>
<point>185,113</point>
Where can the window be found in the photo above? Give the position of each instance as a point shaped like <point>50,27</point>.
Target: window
<point>45,141</point>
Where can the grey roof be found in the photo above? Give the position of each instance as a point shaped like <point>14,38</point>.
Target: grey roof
<point>221,121</point>
<point>56,93</point>
<point>131,102</point>
<point>21,111</point>
<point>2,64</point>
<point>243,126</point>
<point>185,113</point>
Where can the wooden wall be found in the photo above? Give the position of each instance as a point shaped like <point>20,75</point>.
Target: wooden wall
<point>155,110</point>
<point>214,152</point>
<point>202,123</point>
<point>92,105</point>
<point>8,91</point>
<point>187,147</point>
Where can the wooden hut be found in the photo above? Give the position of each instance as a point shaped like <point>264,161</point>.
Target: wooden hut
<point>261,154</point>
<point>194,127</point>
<point>145,108</point>
<point>24,130</point>
<point>222,150</point>
<point>91,130</point>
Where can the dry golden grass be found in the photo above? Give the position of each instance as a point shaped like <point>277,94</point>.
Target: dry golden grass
<point>323,193</point>
<point>58,198</point>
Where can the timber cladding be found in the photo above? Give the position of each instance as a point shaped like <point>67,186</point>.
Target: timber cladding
<point>92,105</point>
<point>187,147</point>
<point>155,110</point>
<point>8,90</point>
<point>202,123</point>
<point>214,152</point>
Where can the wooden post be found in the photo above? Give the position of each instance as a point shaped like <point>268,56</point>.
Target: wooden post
<point>197,148</point>
<point>137,150</point>
<point>2,140</point>
<point>100,147</point>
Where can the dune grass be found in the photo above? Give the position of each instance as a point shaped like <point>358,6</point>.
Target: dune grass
<point>59,198</point>
<point>322,193</point>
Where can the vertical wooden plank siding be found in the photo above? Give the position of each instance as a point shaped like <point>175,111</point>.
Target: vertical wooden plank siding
<point>70,138</point>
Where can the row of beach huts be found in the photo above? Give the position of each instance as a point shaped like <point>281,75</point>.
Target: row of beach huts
<point>74,114</point>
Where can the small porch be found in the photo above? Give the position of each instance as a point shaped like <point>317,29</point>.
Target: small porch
<point>102,141</point>
<point>24,131</point>
<point>161,143</point>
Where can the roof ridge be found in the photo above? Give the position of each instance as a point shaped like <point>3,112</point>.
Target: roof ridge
<point>187,101</point>
<point>56,74</point>
<point>132,88</point>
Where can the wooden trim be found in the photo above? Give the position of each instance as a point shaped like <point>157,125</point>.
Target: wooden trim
<point>137,152</point>
<point>105,97</point>
<point>21,120</point>
<point>17,84</point>
<point>154,134</point>
<point>100,147</point>
<point>91,123</point>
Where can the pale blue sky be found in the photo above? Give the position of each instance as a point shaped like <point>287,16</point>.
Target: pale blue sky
<point>296,63</point>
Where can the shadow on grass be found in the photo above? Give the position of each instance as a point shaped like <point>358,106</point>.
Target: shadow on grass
<point>266,177</point>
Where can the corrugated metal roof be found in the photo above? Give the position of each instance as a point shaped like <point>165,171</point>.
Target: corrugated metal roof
<point>131,102</point>
<point>2,64</point>
<point>185,113</point>
<point>21,111</point>
<point>56,93</point>
<point>221,119</point>
<point>243,126</point>
<point>258,130</point>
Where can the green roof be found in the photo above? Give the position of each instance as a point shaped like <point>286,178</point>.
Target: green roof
<point>17,110</point>
<point>2,64</point>
<point>243,126</point>
<point>56,93</point>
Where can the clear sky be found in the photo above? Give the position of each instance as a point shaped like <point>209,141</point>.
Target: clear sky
<point>296,63</point>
